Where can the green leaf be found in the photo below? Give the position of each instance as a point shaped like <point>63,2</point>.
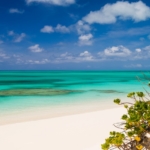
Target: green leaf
<point>140,94</point>
<point>125,106</point>
<point>105,146</point>
<point>117,101</point>
<point>131,94</point>
<point>124,117</point>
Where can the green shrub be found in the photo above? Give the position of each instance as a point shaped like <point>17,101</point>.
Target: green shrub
<point>135,128</point>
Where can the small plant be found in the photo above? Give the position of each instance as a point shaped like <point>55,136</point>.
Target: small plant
<point>135,128</point>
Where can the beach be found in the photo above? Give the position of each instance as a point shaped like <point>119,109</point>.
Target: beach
<point>85,131</point>
<point>68,110</point>
<point>70,70</point>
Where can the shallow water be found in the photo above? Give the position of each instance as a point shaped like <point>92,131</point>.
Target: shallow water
<point>20,90</point>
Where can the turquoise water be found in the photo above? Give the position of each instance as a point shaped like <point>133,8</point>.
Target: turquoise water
<point>29,89</point>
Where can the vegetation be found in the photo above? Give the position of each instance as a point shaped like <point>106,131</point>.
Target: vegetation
<point>135,127</point>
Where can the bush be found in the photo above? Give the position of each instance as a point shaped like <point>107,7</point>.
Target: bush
<point>135,128</point>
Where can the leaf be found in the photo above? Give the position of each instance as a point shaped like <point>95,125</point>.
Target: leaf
<point>117,101</point>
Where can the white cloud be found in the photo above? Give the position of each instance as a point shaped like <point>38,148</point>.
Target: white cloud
<point>82,57</point>
<point>47,29</point>
<point>85,53</point>
<point>142,53</point>
<point>58,28</point>
<point>120,51</point>
<point>85,39</point>
<point>66,57</point>
<point>53,2</point>
<point>123,10</point>
<point>14,10</point>
<point>85,56</point>
<point>44,61</point>
<point>63,29</point>
<point>82,27</point>
<point>35,49</point>
<point>19,38</point>
<point>138,50</point>
<point>114,53</point>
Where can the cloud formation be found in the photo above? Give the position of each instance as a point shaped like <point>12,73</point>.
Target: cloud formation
<point>58,28</point>
<point>47,29</point>
<point>15,10</point>
<point>17,37</point>
<point>113,53</point>
<point>122,10</point>
<point>85,39</point>
<point>86,56</point>
<point>43,61</point>
<point>35,48</point>
<point>53,2</point>
<point>117,51</point>
<point>82,27</point>
<point>62,29</point>
<point>82,57</point>
<point>138,50</point>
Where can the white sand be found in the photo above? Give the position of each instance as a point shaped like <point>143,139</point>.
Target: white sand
<point>75,132</point>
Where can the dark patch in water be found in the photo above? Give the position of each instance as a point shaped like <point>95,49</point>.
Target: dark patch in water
<point>75,83</point>
<point>107,91</point>
<point>41,81</point>
<point>36,92</point>
<point>116,81</point>
<point>21,76</point>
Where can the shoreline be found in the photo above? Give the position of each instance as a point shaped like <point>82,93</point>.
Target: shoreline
<point>55,111</point>
<point>85,131</point>
<point>47,112</point>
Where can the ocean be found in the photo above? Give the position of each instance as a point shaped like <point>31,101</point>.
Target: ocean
<point>21,91</point>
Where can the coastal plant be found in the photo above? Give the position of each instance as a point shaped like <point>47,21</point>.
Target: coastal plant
<point>135,128</point>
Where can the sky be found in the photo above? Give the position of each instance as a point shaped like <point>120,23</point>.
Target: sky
<point>74,35</point>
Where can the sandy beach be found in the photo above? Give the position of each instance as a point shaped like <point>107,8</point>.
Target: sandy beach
<point>67,110</point>
<point>86,131</point>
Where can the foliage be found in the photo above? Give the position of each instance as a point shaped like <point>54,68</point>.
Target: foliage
<point>136,125</point>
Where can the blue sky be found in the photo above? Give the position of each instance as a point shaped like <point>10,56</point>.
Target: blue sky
<point>74,35</point>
